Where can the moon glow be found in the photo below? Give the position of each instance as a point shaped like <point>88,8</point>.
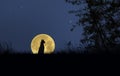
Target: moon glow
<point>49,45</point>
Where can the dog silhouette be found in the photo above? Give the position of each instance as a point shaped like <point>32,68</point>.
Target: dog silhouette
<point>41,48</point>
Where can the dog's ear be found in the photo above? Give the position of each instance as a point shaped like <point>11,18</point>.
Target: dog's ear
<point>44,41</point>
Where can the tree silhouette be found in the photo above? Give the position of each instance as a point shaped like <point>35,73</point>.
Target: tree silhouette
<point>100,20</point>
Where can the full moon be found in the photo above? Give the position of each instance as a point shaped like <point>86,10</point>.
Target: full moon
<point>49,45</point>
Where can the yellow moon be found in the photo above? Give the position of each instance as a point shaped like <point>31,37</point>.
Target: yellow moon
<point>49,45</point>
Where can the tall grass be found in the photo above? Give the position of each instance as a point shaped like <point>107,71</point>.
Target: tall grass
<point>6,48</point>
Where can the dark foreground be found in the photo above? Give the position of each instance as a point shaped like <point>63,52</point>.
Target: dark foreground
<point>87,58</point>
<point>58,58</point>
<point>60,63</point>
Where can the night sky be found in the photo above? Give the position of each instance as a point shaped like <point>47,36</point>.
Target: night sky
<point>21,20</point>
